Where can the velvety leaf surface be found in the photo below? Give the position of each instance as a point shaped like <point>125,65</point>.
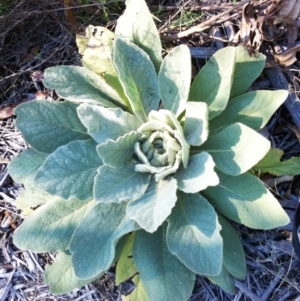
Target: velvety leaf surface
<point>137,25</point>
<point>246,200</point>
<point>253,109</point>
<point>155,205</point>
<point>106,123</point>
<point>198,175</point>
<point>46,125</point>
<point>24,167</point>
<point>60,275</point>
<point>236,148</point>
<point>139,292</point>
<point>272,164</point>
<point>118,153</point>
<point>165,278</point>
<point>116,185</point>
<point>82,85</point>
<point>228,73</point>
<point>69,172</point>
<point>196,123</point>
<point>193,235</point>
<point>126,267</point>
<point>224,280</point>
<point>94,241</point>
<point>234,259</point>
<point>32,197</point>
<point>138,77</point>
<point>50,227</point>
<point>174,79</point>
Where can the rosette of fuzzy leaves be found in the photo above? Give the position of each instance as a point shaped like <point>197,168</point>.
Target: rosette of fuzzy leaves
<point>139,167</point>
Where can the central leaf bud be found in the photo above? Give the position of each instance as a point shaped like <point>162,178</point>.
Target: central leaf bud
<point>162,147</point>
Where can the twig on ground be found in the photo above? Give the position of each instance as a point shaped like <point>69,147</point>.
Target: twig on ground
<point>202,26</point>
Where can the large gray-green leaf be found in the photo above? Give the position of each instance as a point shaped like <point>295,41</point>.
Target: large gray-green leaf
<point>236,148</point>
<point>174,79</point>
<point>126,267</point>
<point>94,241</point>
<point>165,278</point>
<point>234,259</point>
<point>118,153</point>
<point>50,227</point>
<point>198,175</point>
<point>60,275</point>
<point>69,172</point>
<point>224,280</point>
<point>116,185</point>
<point>253,109</point>
<point>137,25</point>
<point>155,205</point>
<point>106,123</point>
<point>137,76</point>
<point>24,167</point>
<point>46,125</point>
<point>81,85</point>
<point>32,197</point>
<point>246,200</point>
<point>196,123</point>
<point>228,73</point>
<point>193,234</point>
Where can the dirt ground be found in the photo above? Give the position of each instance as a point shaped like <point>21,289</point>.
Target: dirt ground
<point>38,34</point>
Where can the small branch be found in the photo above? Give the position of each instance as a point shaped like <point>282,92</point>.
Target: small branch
<point>202,26</point>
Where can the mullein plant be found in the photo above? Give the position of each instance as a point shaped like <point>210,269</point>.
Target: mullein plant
<point>141,169</point>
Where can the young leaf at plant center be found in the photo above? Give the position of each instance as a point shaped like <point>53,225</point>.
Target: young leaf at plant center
<point>137,25</point>
<point>244,199</point>
<point>272,164</point>
<point>224,280</point>
<point>193,234</point>
<point>94,241</point>
<point>253,109</point>
<point>24,167</point>
<point>236,148</point>
<point>118,153</point>
<point>50,227</point>
<point>165,277</point>
<point>149,211</point>
<point>69,172</point>
<point>116,185</point>
<point>174,79</point>
<point>198,175</point>
<point>137,76</point>
<point>47,125</point>
<point>60,275</point>
<point>126,267</point>
<point>106,123</point>
<point>234,259</point>
<point>81,85</point>
<point>196,123</point>
<point>228,73</point>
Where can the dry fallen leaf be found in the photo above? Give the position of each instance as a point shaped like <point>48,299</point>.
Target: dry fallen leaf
<point>288,57</point>
<point>286,12</point>
<point>7,111</point>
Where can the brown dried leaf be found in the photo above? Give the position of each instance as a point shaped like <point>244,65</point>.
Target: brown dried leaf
<point>288,57</point>
<point>7,111</point>
<point>249,33</point>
